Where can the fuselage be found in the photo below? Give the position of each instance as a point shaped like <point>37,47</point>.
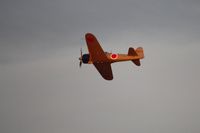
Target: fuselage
<point>111,58</point>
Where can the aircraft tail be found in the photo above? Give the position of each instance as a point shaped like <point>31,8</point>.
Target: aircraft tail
<point>138,52</point>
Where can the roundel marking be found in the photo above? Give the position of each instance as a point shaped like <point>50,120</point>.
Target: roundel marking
<point>114,56</point>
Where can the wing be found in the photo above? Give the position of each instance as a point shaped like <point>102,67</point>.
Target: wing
<point>105,70</point>
<point>96,52</point>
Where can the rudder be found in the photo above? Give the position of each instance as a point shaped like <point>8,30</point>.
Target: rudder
<point>140,52</point>
<point>132,52</point>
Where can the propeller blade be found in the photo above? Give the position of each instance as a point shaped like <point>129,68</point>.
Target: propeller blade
<point>80,64</point>
<point>81,52</point>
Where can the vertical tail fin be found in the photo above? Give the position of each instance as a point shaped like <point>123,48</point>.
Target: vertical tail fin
<point>137,52</point>
<point>131,51</point>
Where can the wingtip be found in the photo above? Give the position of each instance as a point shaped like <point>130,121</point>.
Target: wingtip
<point>89,34</point>
<point>89,37</point>
<point>109,78</point>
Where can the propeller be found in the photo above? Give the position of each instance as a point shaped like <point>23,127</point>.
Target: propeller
<point>81,61</point>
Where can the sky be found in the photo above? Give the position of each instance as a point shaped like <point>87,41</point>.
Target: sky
<point>43,90</point>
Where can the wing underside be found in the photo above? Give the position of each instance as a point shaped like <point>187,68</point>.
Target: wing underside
<point>98,57</point>
<point>96,52</point>
<point>105,70</point>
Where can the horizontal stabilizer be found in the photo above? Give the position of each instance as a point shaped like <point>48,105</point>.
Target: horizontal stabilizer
<point>136,62</point>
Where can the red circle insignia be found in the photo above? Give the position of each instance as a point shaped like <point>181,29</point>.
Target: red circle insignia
<point>113,56</point>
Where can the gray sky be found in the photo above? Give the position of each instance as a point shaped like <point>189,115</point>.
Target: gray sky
<point>43,90</point>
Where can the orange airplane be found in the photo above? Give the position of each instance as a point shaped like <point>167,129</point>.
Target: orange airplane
<point>102,60</point>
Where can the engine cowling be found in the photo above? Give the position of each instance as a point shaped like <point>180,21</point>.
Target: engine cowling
<point>85,58</point>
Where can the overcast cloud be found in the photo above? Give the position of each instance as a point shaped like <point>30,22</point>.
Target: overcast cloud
<point>43,90</point>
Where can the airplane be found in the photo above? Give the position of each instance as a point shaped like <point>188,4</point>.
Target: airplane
<point>103,60</point>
